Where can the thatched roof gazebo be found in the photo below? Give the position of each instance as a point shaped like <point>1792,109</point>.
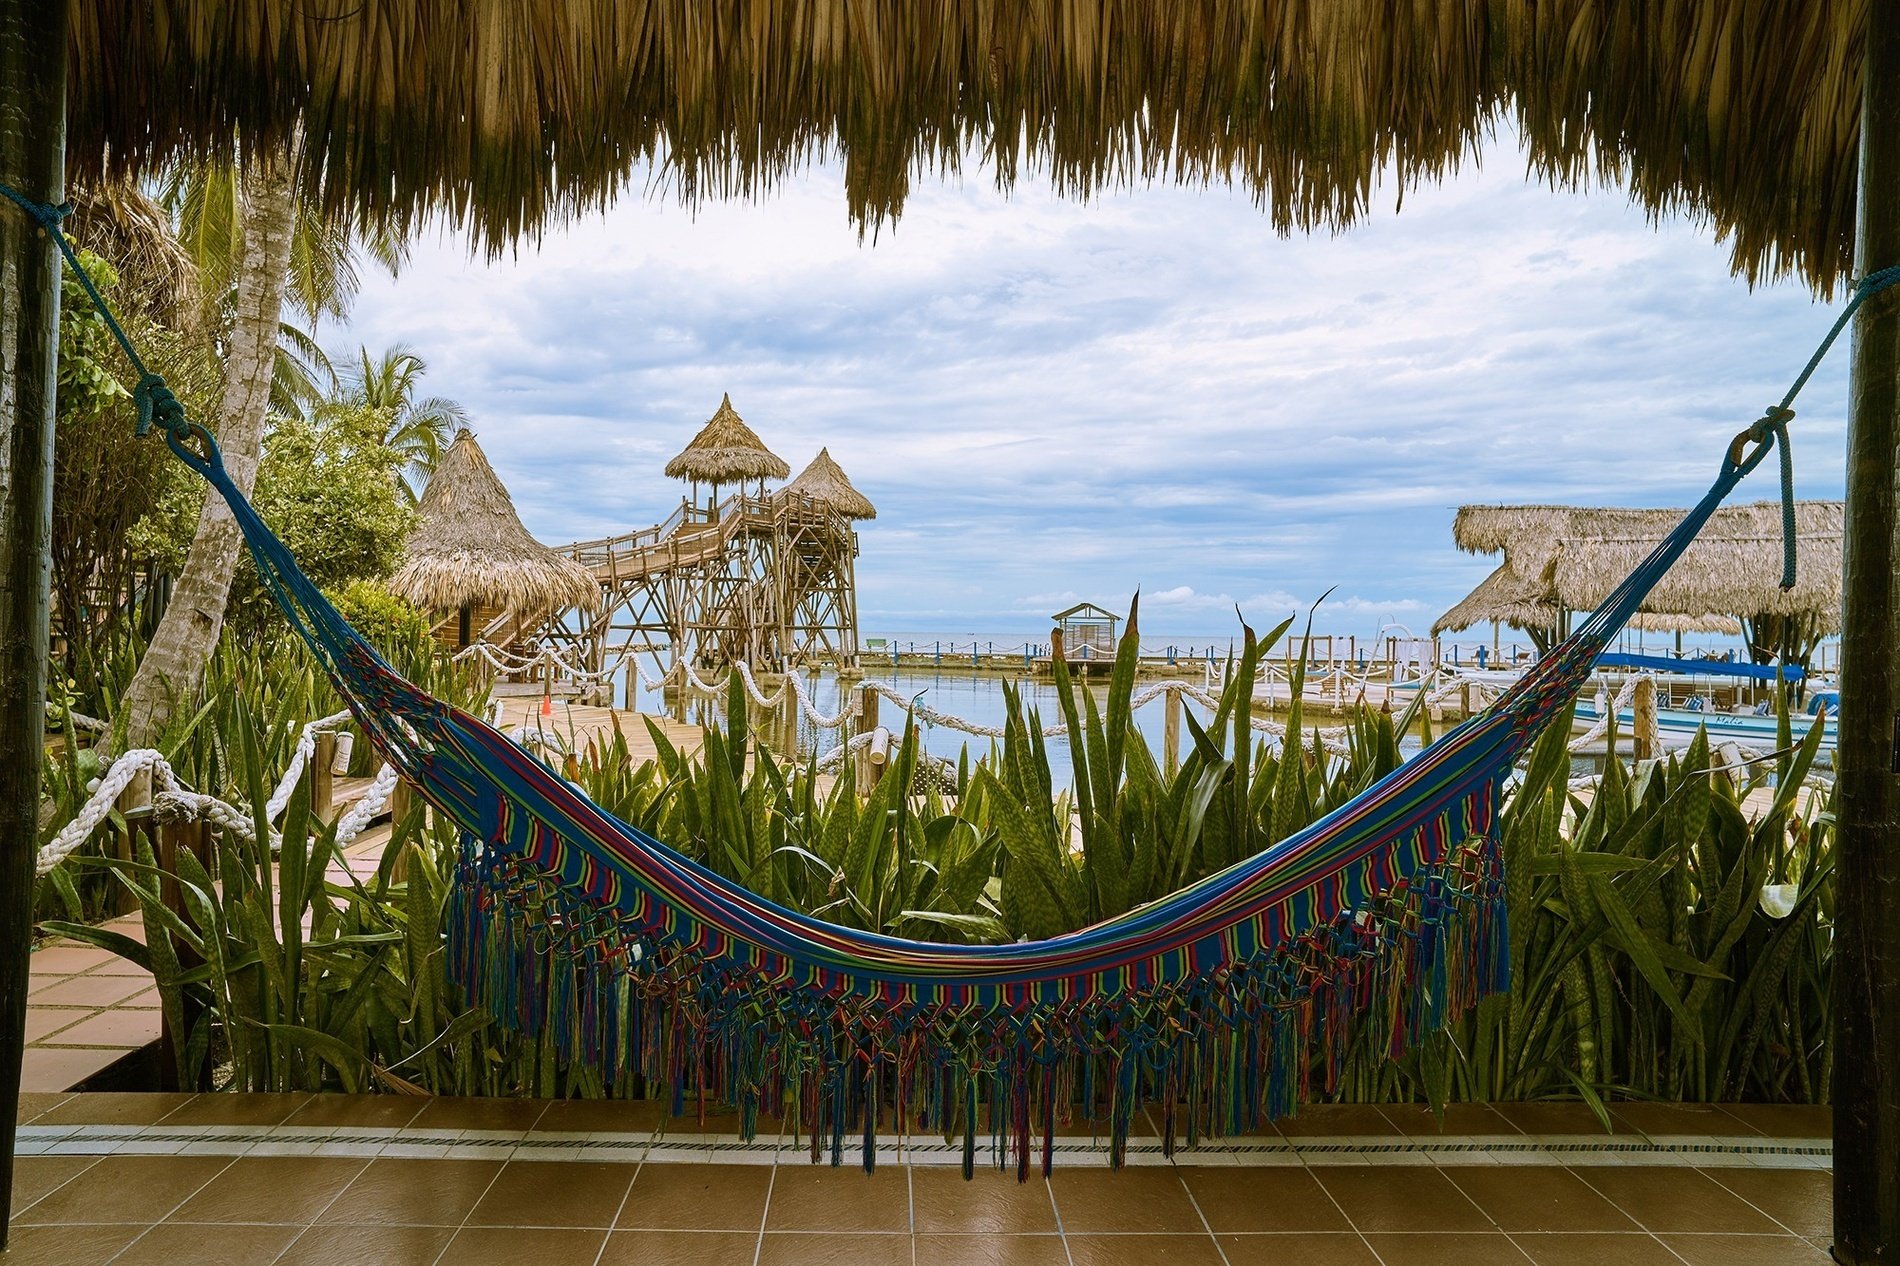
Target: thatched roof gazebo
<point>470,559</point>
<point>727,451</point>
<point>824,481</point>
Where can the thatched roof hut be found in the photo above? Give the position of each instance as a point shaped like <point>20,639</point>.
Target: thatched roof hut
<point>824,481</point>
<point>1729,576</point>
<point>1733,568</point>
<point>727,451</point>
<point>470,552</point>
<point>1503,597</point>
<point>535,111</point>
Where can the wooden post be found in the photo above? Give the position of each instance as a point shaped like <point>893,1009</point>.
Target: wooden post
<point>135,805</point>
<point>1643,737</point>
<point>1866,990</point>
<point>867,724</point>
<point>178,832</point>
<point>33,37</point>
<point>1171,731</point>
<point>323,778</point>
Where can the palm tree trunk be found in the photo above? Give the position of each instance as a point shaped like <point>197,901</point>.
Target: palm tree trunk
<point>174,664</point>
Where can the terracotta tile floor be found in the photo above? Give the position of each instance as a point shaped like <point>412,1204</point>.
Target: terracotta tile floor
<point>387,1180</point>
<point>87,1009</point>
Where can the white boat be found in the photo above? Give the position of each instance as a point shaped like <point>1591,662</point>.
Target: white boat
<point>1676,726</point>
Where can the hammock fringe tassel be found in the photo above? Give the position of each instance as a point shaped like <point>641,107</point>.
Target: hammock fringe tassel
<point>1215,1051</point>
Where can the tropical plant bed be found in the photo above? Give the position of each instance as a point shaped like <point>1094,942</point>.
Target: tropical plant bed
<point>1647,963</point>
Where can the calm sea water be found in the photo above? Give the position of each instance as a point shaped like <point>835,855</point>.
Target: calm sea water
<point>973,697</point>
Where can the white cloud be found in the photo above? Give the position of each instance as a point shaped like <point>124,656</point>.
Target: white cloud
<point>1052,402</point>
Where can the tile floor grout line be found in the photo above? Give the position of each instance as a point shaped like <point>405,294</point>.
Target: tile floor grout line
<point>765,1214</point>
<point>1511,1239</point>
<point>1711,1176</point>
<point>1055,1211</point>
<point>1338,1207</point>
<point>1482,1211</point>
<point>1207,1226</point>
<point>621,1208</point>
<point>1601,1195</point>
<point>318,1216</point>
<point>58,1186</point>
<point>175,1208</point>
<point>476,1204</point>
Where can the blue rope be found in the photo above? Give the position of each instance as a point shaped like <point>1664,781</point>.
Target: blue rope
<point>1772,426</point>
<point>157,405</point>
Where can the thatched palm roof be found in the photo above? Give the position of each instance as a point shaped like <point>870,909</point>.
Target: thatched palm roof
<point>1503,597</point>
<point>824,481</point>
<point>1652,622</point>
<point>503,115</point>
<point>727,451</point>
<point>1577,554</point>
<point>470,550</point>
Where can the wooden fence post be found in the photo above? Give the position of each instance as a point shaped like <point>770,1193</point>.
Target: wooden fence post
<point>1171,731</point>
<point>135,804</point>
<point>179,831</point>
<point>867,724</point>
<point>1643,741</point>
<point>322,771</point>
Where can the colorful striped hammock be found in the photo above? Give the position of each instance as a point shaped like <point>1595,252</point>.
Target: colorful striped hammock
<point>633,959</point>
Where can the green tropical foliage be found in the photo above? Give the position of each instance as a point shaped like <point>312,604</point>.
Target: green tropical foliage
<point>1645,961</point>
<point>334,488</point>
<point>417,429</point>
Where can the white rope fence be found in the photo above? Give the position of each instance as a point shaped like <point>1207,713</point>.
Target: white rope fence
<point>1334,738</point>
<point>504,661</point>
<point>171,792</point>
<point>1606,711</point>
<point>293,772</point>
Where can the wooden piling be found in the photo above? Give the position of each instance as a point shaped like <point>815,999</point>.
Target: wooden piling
<point>180,832</point>
<point>1645,738</point>
<point>867,724</point>
<point>322,773</point>
<point>135,806</point>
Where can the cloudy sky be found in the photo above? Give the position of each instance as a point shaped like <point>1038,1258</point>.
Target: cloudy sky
<point>1051,401</point>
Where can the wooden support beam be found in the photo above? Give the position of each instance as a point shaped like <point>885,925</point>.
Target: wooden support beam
<point>323,779</point>
<point>867,724</point>
<point>1171,731</point>
<point>1643,737</point>
<point>33,160</point>
<point>1866,997</point>
<point>179,833</point>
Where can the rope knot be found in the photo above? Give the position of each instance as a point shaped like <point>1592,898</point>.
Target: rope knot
<point>159,407</point>
<point>45,214</point>
<point>1773,421</point>
<point>1773,424</point>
